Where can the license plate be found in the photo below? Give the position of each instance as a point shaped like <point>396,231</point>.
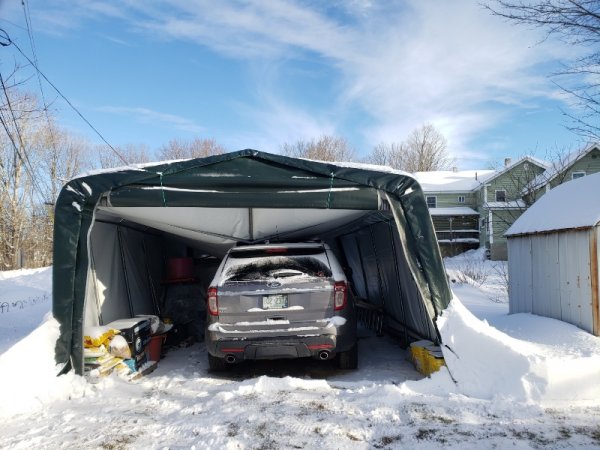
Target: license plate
<point>274,301</point>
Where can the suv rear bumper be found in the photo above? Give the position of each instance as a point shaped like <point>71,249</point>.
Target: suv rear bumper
<point>321,347</point>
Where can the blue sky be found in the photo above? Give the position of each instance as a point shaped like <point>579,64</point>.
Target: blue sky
<point>257,74</point>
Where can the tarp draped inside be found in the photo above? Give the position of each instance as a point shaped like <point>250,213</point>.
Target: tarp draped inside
<point>112,230</point>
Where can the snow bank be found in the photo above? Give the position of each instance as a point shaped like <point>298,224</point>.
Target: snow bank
<point>28,373</point>
<point>488,364</point>
<point>25,298</point>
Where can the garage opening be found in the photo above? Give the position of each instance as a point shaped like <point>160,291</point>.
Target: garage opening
<point>117,234</point>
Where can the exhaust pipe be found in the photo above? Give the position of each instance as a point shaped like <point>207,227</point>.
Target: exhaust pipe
<point>230,359</point>
<point>324,355</point>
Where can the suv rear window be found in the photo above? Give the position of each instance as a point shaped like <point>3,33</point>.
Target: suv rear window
<point>263,268</point>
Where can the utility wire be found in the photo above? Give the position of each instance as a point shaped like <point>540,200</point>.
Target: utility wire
<point>27,15</point>
<point>9,41</point>
<point>23,157</point>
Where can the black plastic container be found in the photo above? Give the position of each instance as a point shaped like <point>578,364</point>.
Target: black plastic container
<point>136,332</point>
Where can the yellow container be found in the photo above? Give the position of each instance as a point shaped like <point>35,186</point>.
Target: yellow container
<point>426,356</point>
<point>418,354</point>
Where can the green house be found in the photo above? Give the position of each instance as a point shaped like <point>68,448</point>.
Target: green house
<point>475,208</point>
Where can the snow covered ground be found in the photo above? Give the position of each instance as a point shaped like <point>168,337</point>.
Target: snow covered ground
<point>517,381</point>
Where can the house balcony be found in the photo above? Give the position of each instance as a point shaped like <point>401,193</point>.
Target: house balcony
<point>456,229</point>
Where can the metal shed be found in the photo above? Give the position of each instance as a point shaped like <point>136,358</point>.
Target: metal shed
<point>553,256</point>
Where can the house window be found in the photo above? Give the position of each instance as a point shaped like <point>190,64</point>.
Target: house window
<point>461,199</point>
<point>501,195</point>
<point>431,201</point>
<point>576,175</point>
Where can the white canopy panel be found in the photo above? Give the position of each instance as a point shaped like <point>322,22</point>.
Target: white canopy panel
<point>216,229</point>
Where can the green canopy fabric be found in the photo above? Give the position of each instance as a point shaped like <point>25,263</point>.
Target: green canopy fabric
<point>368,213</point>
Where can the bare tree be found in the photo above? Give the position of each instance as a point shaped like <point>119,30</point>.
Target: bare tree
<point>326,148</point>
<point>576,22</point>
<point>36,158</point>
<point>196,148</point>
<point>425,149</point>
<point>390,155</point>
<point>58,157</point>
<point>19,114</point>
<point>132,153</point>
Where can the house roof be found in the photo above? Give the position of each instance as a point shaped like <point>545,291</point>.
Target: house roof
<point>575,204</point>
<point>443,181</point>
<point>447,181</point>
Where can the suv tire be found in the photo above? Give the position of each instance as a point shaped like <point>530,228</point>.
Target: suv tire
<point>348,360</point>
<point>216,364</point>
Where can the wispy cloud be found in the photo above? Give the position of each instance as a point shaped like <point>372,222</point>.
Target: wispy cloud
<point>145,115</point>
<point>448,63</point>
<point>279,123</point>
<point>401,63</point>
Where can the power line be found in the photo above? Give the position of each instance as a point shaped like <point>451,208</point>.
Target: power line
<point>27,15</point>
<point>8,42</point>
<point>23,157</point>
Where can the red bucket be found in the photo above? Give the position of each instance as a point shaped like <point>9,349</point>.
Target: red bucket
<point>155,347</point>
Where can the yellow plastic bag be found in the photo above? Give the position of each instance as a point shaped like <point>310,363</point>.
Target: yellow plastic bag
<point>96,336</point>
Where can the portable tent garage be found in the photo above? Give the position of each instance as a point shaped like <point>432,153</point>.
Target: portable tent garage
<point>111,226</point>
<point>553,256</point>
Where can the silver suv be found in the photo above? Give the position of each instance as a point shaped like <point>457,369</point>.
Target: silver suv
<point>280,301</point>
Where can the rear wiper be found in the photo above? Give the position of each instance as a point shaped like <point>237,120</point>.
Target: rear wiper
<point>286,273</point>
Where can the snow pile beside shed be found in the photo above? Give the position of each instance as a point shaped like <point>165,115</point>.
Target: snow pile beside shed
<point>488,364</point>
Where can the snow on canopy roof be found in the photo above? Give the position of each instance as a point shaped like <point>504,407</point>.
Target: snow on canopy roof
<point>450,181</point>
<point>136,166</point>
<point>575,204</point>
<point>363,166</point>
<point>145,166</point>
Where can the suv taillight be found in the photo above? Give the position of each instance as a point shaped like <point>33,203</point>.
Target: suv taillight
<point>340,295</point>
<point>213,301</point>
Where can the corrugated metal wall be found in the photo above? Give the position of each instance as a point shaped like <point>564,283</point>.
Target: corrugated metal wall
<point>575,279</point>
<point>545,275</point>
<point>519,274</point>
<point>551,275</point>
